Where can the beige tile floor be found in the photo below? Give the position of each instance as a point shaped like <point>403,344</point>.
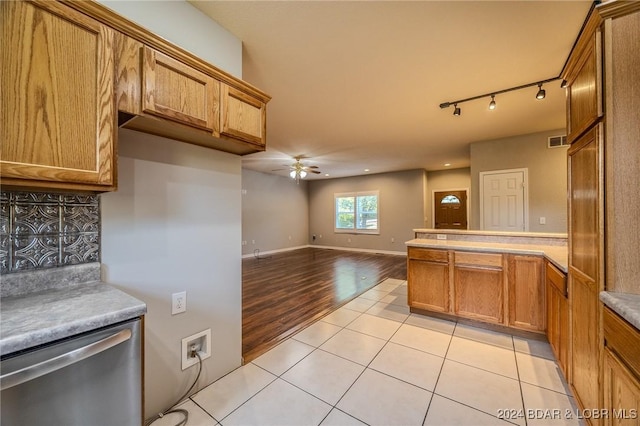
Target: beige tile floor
<point>373,362</point>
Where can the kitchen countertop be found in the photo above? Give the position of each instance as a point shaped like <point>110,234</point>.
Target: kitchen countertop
<point>558,255</point>
<point>624,304</point>
<point>57,311</point>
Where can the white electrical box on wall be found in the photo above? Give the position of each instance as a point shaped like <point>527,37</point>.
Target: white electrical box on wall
<point>202,342</point>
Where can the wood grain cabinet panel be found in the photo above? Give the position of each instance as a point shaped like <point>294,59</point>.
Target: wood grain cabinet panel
<point>558,316</point>
<point>243,116</point>
<point>621,393</point>
<point>56,88</point>
<point>527,293</point>
<point>175,91</point>
<point>585,340</point>
<point>430,280</point>
<point>479,293</point>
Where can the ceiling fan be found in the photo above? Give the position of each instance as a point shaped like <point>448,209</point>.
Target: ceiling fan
<point>298,170</point>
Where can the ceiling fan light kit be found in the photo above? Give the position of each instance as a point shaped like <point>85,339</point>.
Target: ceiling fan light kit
<point>541,94</point>
<point>299,171</point>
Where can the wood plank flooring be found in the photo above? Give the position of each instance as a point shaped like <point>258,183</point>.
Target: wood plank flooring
<point>285,292</point>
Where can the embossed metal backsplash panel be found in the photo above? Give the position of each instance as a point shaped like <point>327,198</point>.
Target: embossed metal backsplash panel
<point>42,230</point>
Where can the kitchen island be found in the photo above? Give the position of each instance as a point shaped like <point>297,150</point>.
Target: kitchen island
<point>495,278</point>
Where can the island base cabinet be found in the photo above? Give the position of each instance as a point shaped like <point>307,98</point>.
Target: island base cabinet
<point>526,293</point>
<point>558,316</point>
<point>431,288</point>
<point>479,294</point>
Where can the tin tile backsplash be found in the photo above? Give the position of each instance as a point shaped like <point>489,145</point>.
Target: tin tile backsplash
<point>43,230</point>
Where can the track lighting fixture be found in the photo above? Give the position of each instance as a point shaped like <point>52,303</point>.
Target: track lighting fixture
<point>492,105</point>
<point>564,84</point>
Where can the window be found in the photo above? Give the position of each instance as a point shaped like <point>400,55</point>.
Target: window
<point>357,212</point>
<point>450,199</point>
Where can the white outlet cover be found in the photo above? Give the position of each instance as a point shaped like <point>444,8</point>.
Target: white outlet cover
<point>178,302</point>
<point>204,352</point>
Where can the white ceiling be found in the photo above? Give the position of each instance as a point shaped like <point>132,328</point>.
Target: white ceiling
<point>357,84</point>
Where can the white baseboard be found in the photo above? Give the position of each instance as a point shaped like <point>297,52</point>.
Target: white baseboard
<point>363,250</point>
<point>262,253</point>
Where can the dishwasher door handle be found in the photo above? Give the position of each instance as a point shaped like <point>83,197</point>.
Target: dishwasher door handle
<point>34,371</point>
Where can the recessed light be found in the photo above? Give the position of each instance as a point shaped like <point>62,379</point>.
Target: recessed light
<point>326,174</point>
<point>447,164</point>
<point>366,170</point>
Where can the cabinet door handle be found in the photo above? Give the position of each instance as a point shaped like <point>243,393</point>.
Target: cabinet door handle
<point>34,371</point>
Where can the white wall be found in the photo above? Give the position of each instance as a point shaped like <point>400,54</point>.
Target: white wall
<point>174,225</point>
<point>275,212</point>
<point>187,27</point>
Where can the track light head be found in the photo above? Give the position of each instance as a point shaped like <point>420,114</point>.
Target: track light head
<point>456,111</point>
<point>541,92</point>
<point>564,84</point>
<point>492,104</point>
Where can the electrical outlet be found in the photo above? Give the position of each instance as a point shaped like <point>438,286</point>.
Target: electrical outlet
<point>543,220</point>
<point>244,242</point>
<point>178,302</point>
<point>253,241</point>
<point>441,236</point>
<point>202,343</point>
<point>289,237</point>
<point>393,240</point>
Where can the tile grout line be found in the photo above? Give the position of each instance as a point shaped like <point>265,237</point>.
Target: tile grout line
<point>515,357</point>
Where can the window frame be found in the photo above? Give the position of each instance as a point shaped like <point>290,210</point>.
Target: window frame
<point>356,213</point>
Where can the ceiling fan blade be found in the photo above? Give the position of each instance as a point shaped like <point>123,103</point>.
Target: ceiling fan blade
<point>311,167</point>
<point>277,170</point>
<point>314,171</point>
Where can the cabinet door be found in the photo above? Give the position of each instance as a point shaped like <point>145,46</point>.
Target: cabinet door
<point>621,392</point>
<point>558,326</point>
<point>526,293</point>
<point>428,285</point>
<point>479,286</point>
<point>56,92</point>
<point>173,90</point>
<point>584,89</point>
<point>586,341</point>
<point>243,116</point>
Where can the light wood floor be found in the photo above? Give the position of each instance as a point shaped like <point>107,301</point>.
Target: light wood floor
<point>285,292</point>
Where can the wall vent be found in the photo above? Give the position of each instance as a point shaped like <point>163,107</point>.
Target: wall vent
<point>557,141</point>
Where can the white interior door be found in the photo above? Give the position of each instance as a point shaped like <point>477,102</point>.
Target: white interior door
<point>503,200</point>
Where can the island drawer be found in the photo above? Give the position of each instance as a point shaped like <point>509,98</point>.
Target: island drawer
<point>428,254</point>
<point>491,260</point>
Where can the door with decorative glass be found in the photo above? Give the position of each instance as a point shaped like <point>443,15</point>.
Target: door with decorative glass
<point>450,209</point>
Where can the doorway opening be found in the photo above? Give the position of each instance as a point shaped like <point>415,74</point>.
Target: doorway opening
<point>504,200</point>
<point>450,209</point>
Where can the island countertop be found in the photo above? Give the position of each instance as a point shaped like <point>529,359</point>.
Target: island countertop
<point>58,311</point>
<point>557,255</point>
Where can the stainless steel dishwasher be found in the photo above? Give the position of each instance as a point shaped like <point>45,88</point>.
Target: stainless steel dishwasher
<point>90,379</point>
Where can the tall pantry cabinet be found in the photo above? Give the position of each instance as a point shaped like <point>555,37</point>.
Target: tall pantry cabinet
<point>603,100</point>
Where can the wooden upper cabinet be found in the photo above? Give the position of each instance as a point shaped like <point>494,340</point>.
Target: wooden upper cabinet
<point>56,92</point>
<point>584,81</point>
<point>175,91</point>
<point>585,203</point>
<point>243,116</point>
<point>527,293</point>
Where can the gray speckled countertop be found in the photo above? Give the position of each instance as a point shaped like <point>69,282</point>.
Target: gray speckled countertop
<point>624,304</point>
<point>57,311</point>
<point>558,255</point>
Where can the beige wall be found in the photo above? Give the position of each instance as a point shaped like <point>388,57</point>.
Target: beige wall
<point>174,225</point>
<point>547,176</point>
<point>444,180</point>
<point>275,212</point>
<point>401,209</point>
